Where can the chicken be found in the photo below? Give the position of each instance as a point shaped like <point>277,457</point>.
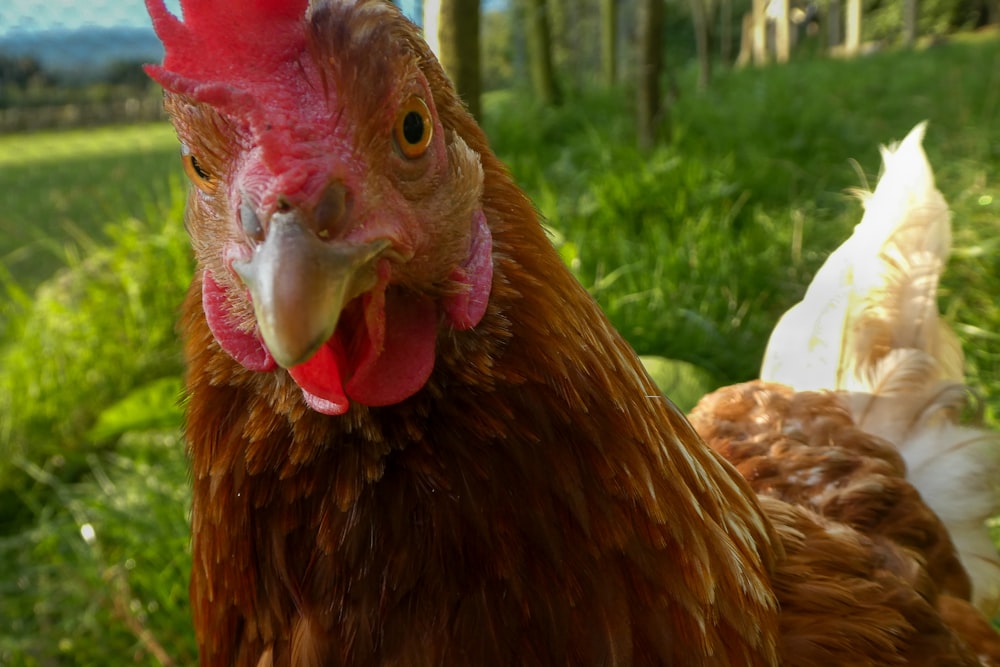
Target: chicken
<point>869,329</point>
<point>865,353</point>
<point>416,440</point>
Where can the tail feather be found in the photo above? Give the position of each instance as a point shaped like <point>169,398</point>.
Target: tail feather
<point>868,327</point>
<point>877,291</point>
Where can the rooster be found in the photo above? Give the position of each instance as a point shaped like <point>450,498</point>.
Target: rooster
<point>415,438</point>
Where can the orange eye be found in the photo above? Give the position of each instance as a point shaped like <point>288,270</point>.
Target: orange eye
<point>413,129</point>
<point>202,179</point>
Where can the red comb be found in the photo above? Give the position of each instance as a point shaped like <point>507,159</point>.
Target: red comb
<point>250,61</point>
<point>227,40</point>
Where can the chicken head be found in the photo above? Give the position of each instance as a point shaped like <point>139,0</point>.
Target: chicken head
<point>338,219</point>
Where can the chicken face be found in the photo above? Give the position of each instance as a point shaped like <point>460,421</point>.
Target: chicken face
<point>336,220</point>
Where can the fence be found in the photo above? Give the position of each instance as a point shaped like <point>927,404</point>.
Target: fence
<point>118,112</point>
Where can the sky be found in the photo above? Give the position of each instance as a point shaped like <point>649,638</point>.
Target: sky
<point>37,15</point>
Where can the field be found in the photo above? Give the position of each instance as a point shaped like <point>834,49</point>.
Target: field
<point>64,188</point>
<point>694,250</point>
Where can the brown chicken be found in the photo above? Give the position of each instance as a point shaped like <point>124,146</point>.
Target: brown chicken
<point>416,440</point>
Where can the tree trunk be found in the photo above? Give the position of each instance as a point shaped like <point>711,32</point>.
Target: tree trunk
<point>910,9</point>
<point>432,16</point>
<point>758,43</point>
<point>782,32</point>
<point>747,52</point>
<point>701,41</point>
<point>835,19</point>
<point>558,20</point>
<point>458,38</point>
<point>609,42</point>
<point>726,32</point>
<point>852,37</point>
<point>649,112</point>
<point>543,77</point>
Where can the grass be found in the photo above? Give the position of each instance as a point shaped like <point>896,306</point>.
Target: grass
<point>113,310</point>
<point>694,250</point>
<point>85,585</point>
<point>62,189</point>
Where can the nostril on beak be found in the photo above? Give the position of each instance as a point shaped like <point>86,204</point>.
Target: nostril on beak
<point>326,219</point>
<point>331,211</point>
<point>252,226</point>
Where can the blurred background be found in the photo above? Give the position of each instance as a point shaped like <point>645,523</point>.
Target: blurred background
<point>694,161</point>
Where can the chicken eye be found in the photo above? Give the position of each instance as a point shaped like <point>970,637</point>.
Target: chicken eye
<point>202,179</point>
<point>413,129</point>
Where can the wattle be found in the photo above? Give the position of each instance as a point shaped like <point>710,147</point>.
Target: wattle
<point>380,365</point>
<point>387,357</point>
<point>245,347</point>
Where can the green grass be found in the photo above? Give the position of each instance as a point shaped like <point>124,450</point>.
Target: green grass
<point>694,250</point>
<point>100,575</point>
<point>89,400</point>
<point>88,336</point>
<point>64,188</point>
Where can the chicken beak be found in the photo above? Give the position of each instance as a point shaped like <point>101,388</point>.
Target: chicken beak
<point>300,283</point>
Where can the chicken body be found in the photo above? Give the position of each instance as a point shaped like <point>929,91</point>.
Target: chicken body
<point>840,499</point>
<point>866,428</point>
<point>525,498</point>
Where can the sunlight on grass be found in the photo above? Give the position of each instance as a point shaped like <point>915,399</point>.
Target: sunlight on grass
<point>62,190</point>
<point>17,149</point>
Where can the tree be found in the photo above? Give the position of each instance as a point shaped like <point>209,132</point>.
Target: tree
<point>852,37</point>
<point>702,39</point>
<point>780,15</point>
<point>456,41</point>
<point>909,22</point>
<point>128,74</point>
<point>498,47</point>
<point>834,14</point>
<point>759,35</point>
<point>609,41</point>
<point>726,32</point>
<point>543,77</point>
<point>22,72</point>
<point>558,15</point>
<point>649,111</point>
<point>431,14</point>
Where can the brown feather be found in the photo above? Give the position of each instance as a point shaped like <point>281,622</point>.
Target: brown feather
<point>848,599</point>
<point>974,628</point>
<point>805,449</point>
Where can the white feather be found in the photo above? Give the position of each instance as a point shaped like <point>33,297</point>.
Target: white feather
<point>869,328</point>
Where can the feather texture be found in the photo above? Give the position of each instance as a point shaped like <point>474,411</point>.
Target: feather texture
<point>868,328</point>
<point>877,291</point>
